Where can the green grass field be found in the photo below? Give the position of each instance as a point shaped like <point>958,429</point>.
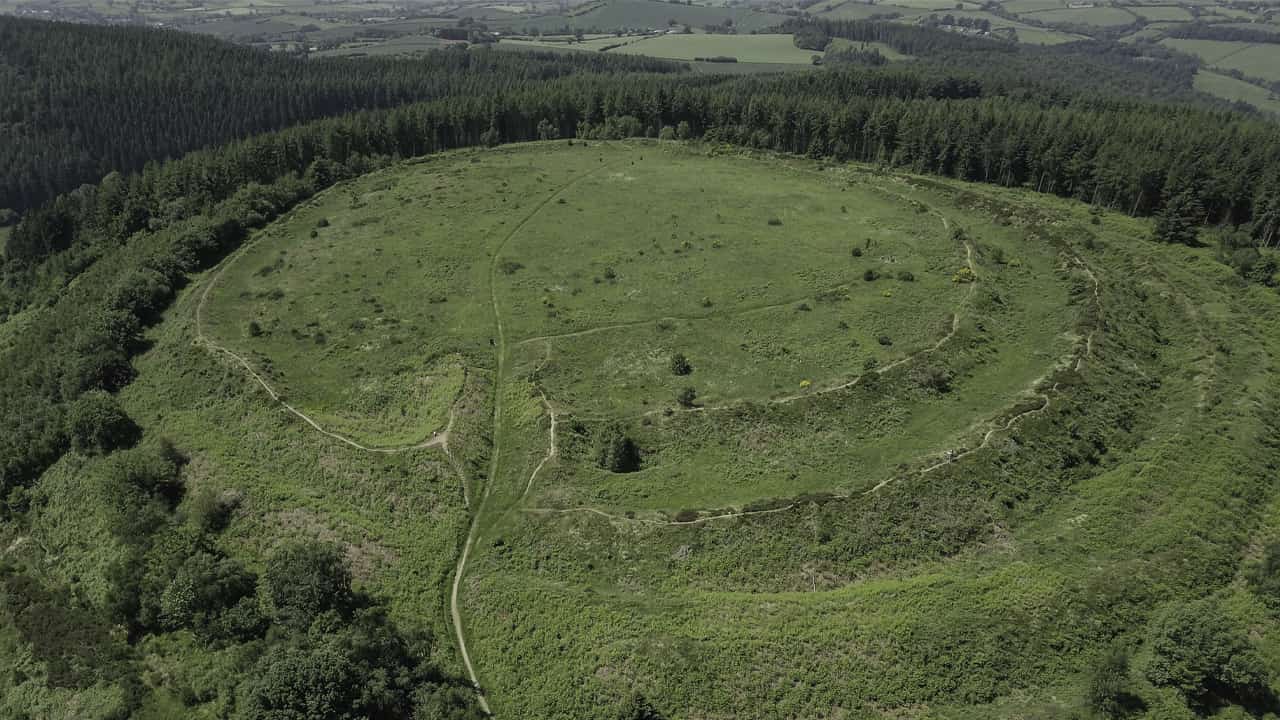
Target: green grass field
<point>746,48</point>
<point>1161,13</point>
<point>1022,6</point>
<point>1232,89</point>
<point>854,10</point>
<point>1102,16</point>
<point>617,14</point>
<point>1261,60</point>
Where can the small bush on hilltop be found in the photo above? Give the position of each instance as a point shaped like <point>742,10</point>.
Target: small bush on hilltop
<point>680,365</point>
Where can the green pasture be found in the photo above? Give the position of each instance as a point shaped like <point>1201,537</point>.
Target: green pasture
<point>1230,88</point>
<point>1100,15</point>
<point>1260,60</point>
<point>746,48</point>
<point>1161,13</point>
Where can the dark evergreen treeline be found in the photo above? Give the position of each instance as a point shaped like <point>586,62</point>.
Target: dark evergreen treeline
<point>906,39</point>
<point>1082,71</point>
<point>1207,31</point>
<point>79,101</point>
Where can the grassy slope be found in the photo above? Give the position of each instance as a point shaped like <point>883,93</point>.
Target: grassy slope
<point>1102,16</point>
<point>1256,60</point>
<point>980,588</point>
<point>1232,89</point>
<point>747,48</point>
<point>654,14</point>
<point>1159,13</point>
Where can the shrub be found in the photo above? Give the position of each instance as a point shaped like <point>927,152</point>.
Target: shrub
<point>97,424</point>
<point>1264,577</point>
<point>322,223</point>
<point>884,340</point>
<point>255,329</point>
<point>610,274</point>
<point>617,452</point>
<point>686,516</point>
<point>680,364</point>
<point>774,221</point>
<point>1197,650</point>
<point>870,275</point>
<point>304,579</point>
<point>667,133</point>
<point>204,586</point>
<point>906,276</point>
<point>1105,694</point>
<point>934,378</point>
<point>636,707</point>
<point>803,307</point>
<point>509,267</point>
<point>686,397</point>
<point>211,510</point>
<point>856,252</point>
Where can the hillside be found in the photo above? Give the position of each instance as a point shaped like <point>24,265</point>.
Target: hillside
<point>934,381</point>
<point>925,419</point>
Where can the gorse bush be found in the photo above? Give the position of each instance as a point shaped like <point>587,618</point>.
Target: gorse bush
<point>680,365</point>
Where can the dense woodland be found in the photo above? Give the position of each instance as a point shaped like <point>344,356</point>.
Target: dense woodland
<point>79,101</point>
<point>1080,72</point>
<point>1206,31</point>
<point>133,239</point>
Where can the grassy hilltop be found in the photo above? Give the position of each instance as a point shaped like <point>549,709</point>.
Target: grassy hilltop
<point>749,436</point>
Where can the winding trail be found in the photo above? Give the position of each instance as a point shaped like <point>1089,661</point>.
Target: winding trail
<point>473,532</point>
<point>551,451</point>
